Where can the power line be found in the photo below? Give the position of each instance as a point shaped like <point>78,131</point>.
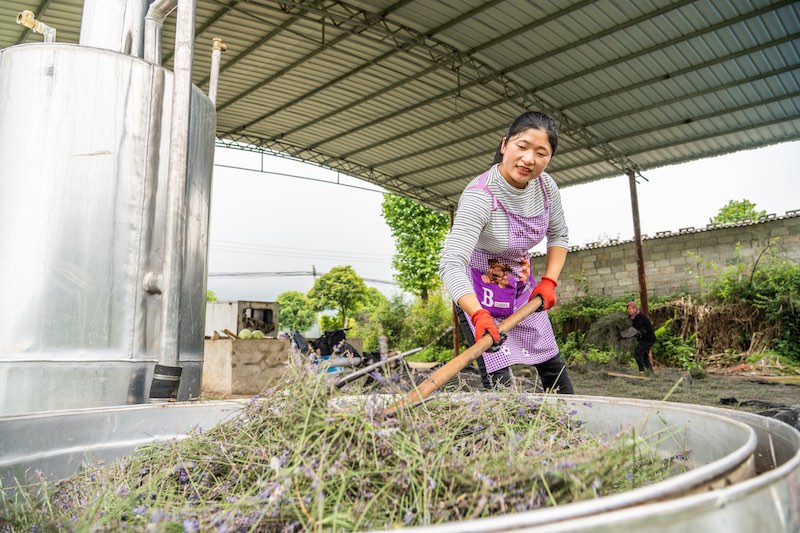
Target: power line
<point>301,253</point>
<point>292,273</point>
<point>291,248</point>
<point>339,258</point>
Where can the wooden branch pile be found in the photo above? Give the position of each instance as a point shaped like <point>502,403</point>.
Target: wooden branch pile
<point>720,328</point>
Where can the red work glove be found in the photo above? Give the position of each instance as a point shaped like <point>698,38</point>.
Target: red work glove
<point>547,290</point>
<point>484,324</point>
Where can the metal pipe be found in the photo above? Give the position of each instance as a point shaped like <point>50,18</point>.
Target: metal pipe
<point>174,241</point>
<point>637,237</point>
<point>217,47</point>
<point>28,19</point>
<point>153,24</point>
<point>116,25</point>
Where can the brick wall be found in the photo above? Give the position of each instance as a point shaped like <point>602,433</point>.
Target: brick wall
<point>675,261</point>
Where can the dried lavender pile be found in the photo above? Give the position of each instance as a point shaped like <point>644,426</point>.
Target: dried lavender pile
<point>298,459</point>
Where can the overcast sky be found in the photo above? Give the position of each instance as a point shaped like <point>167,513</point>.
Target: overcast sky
<point>273,223</point>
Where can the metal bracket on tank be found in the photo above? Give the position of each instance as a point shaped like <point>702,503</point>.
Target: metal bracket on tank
<point>152,283</point>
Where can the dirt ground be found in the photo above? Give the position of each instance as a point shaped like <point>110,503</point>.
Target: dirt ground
<point>751,393</point>
<point>735,391</point>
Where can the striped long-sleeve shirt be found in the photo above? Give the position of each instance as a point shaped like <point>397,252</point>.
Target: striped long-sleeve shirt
<point>477,226</point>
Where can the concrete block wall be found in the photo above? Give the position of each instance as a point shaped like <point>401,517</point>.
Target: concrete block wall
<point>236,367</point>
<point>233,367</point>
<point>680,261</point>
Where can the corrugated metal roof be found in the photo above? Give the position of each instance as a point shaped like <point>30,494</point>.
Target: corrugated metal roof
<point>414,95</point>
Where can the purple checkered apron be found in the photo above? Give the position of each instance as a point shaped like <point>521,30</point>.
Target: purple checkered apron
<point>532,340</point>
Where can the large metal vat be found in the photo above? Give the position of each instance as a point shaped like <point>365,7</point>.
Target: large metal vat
<point>722,492</point>
<point>84,145</point>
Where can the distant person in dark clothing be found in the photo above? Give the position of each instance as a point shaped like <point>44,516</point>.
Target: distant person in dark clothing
<point>645,335</point>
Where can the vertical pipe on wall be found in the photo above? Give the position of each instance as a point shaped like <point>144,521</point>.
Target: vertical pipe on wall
<point>153,24</point>
<point>217,47</point>
<point>637,237</point>
<point>174,242</point>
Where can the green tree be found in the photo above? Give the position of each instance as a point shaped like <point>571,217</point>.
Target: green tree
<point>296,312</point>
<point>737,210</point>
<point>381,317</point>
<point>341,289</point>
<point>210,296</point>
<point>419,234</point>
<point>428,322</point>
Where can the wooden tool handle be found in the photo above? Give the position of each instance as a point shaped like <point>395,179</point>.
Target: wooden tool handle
<point>436,380</point>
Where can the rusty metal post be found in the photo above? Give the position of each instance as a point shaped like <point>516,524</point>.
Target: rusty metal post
<point>637,237</point>
<point>456,340</point>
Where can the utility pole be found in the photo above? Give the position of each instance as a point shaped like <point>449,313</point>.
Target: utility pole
<point>637,237</point>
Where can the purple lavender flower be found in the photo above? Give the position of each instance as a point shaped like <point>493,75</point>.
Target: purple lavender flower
<point>122,491</point>
<point>191,526</point>
<point>139,511</point>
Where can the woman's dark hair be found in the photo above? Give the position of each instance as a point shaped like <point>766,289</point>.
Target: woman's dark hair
<point>526,121</point>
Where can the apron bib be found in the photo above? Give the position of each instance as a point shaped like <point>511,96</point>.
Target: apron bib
<point>503,283</point>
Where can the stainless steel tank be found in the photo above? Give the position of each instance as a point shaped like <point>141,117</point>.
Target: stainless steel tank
<point>721,493</point>
<point>84,145</point>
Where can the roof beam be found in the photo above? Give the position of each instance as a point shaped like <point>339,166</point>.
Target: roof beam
<point>373,62</point>
<point>655,48</point>
<point>744,107</point>
<point>681,72</point>
<point>684,141</point>
<point>706,116</point>
<point>564,131</point>
<point>282,149</point>
<point>556,82</point>
<point>444,56</point>
<point>660,103</point>
<point>303,9</point>
<point>689,96</point>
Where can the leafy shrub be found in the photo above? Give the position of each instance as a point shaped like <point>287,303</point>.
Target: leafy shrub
<point>427,322</point>
<point>672,350</point>
<point>774,289</point>
<point>571,348</point>
<point>432,354</point>
<point>328,322</point>
<point>384,317</point>
<point>598,356</point>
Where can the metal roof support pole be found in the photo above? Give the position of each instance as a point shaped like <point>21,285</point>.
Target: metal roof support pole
<point>637,237</point>
<point>456,340</point>
<point>166,377</point>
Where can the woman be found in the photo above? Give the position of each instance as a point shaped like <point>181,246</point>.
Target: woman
<point>502,214</point>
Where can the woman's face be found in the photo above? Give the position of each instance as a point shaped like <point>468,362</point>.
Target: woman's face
<point>525,157</point>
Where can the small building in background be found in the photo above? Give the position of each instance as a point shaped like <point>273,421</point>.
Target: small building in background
<point>238,315</point>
